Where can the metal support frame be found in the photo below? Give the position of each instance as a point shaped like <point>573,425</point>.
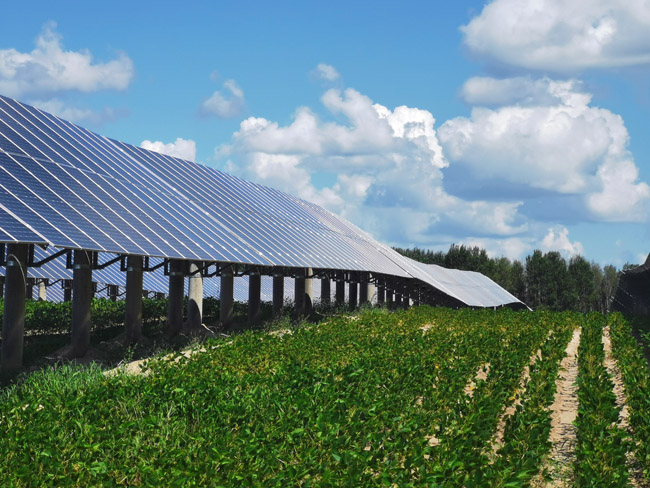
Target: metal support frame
<point>205,269</point>
<point>122,258</point>
<point>102,289</point>
<point>38,264</point>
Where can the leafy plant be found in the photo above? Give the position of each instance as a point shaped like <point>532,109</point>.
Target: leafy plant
<point>601,448</point>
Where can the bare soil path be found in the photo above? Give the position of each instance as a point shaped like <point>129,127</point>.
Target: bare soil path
<point>564,411</point>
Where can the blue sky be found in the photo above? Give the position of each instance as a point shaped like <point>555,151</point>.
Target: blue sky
<point>425,123</point>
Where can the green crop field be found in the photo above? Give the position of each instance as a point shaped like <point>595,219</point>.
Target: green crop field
<point>424,397</point>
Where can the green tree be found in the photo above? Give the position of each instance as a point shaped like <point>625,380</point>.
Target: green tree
<point>610,277</point>
<point>517,280</point>
<point>548,283</point>
<point>595,300</point>
<point>581,276</point>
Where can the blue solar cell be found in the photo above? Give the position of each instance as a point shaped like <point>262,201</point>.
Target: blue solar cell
<point>108,205</point>
<point>34,195</point>
<point>94,209</point>
<point>19,207</point>
<point>8,146</point>
<point>41,126</point>
<point>12,230</point>
<point>8,116</point>
<point>18,141</point>
<point>130,206</point>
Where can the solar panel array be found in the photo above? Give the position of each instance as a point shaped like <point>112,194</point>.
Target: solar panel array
<point>154,281</point>
<point>64,186</point>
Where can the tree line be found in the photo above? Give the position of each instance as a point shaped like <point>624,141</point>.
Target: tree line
<point>542,280</point>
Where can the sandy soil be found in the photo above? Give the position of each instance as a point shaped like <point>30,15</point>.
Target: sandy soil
<point>564,411</point>
<point>482,373</point>
<point>137,367</point>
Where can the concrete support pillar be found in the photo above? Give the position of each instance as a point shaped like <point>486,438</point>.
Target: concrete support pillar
<point>82,294</point>
<point>278,294</point>
<point>29,289</point>
<point>381,291</point>
<point>133,300</point>
<point>371,293</point>
<point>309,292</point>
<point>195,297</point>
<point>340,289</point>
<point>353,294</point>
<point>42,289</point>
<point>67,290</point>
<point>406,300</point>
<point>113,291</point>
<point>397,295</point>
<point>299,293</point>
<point>254,296</point>
<point>325,291</point>
<point>390,294</point>
<point>226,297</point>
<point>13,320</point>
<point>175,297</point>
<point>363,289</point>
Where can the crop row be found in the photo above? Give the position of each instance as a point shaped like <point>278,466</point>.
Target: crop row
<point>601,448</point>
<point>636,376</point>
<point>463,456</point>
<point>526,434</point>
<point>377,399</point>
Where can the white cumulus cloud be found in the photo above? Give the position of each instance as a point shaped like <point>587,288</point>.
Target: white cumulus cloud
<point>380,168</point>
<point>181,148</point>
<point>48,69</point>
<point>77,114</point>
<point>226,103</point>
<point>549,136</point>
<point>557,239</point>
<point>522,90</point>
<point>562,36</point>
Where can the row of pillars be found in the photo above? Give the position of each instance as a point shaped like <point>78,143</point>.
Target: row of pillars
<point>360,291</point>
<point>42,284</point>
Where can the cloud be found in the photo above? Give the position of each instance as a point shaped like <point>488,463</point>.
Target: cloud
<point>557,239</point>
<point>326,72</point>
<point>511,247</point>
<point>227,103</point>
<point>548,136</point>
<point>79,115</point>
<point>560,36</point>
<point>523,90</point>
<point>380,168</point>
<point>181,148</point>
<point>48,69</point>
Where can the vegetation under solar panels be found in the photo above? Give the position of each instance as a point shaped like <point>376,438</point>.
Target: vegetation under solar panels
<point>411,398</point>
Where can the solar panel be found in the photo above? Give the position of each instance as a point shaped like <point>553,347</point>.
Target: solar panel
<point>68,187</point>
